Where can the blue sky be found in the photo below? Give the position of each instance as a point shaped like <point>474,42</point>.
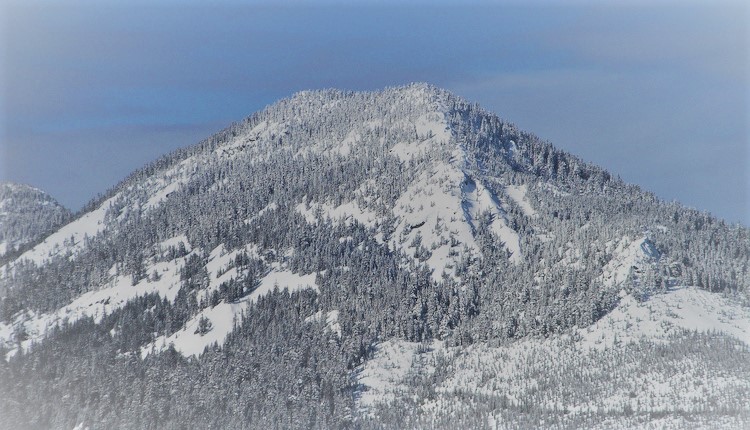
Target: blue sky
<point>658,94</point>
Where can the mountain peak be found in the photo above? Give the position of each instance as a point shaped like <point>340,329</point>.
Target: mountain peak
<point>341,244</point>
<point>415,88</point>
<point>422,90</point>
<point>417,94</point>
<point>8,188</point>
<point>26,213</point>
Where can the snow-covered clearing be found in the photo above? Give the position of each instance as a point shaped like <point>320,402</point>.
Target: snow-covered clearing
<point>681,308</point>
<point>627,254</point>
<point>331,320</point>
<point>478,200</point>
<point>109,297</point>
<point>223,317</point>
<point>174,242</point>
<point>431,129</point>
<point>518,194</point>
<point>549,370</point>
<point>162,194</point>
<point>218,269</point>
<point>382,377</point>
<point>69,238</point>
<point>95,304</point>
<point>430,211</point>
<point>439,212</point>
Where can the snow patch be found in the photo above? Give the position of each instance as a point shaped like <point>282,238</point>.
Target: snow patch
<point>268,208</point>
<point>346,212</point>
<point>164,245</point>
<point>189,341</point>
<point>161,195</point>
<point>331,319</point>
<point>351,139</point>
<point>223,317</point>
<point>518,194</point>
<point>430,211</point>
<point>478,200</point>
<point>219,260</point>
<point>283,279</point>
<point>682,308</point>
<point>70,238</point>
<point>626,255</point>
<point>433,126</point>
<point>431,129</point>
<point>95,304</point>
<point>437,218</point>
<point>382,377</point>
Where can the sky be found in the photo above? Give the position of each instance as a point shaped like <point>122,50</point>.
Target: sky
<point>656,92</point>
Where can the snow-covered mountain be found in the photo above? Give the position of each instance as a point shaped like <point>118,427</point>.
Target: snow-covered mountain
<point>378,259</point>
<point>26,214</point>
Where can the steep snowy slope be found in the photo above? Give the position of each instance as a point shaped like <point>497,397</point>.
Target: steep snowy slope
<point>26,214</point>
<point>352,259</point>
<point>651,363</point>
<point>434,218</point>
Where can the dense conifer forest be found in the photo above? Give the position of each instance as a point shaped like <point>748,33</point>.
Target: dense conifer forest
<point>334,228</point>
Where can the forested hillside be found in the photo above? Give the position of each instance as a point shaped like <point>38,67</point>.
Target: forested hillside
<point>377,259</point>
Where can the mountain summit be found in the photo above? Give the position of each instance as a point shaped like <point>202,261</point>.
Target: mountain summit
<point>399,258</point>
<point>26,213</point>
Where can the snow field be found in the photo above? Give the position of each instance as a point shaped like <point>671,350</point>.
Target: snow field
<point>69,237</point>
<point>224,316</point>
<point>115,293</point>
<point>478,200</point>
<point>111,296</point>
<point>518,194</point>
<point>549,370</point>
<point>627,253</point>
<point>382,377</point>
<point>219,260</point>
<point>331,319</point>
<point>682,308</point>
<point>346,212</point>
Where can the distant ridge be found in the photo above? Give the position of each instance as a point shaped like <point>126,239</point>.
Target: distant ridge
<point>26,213</point>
